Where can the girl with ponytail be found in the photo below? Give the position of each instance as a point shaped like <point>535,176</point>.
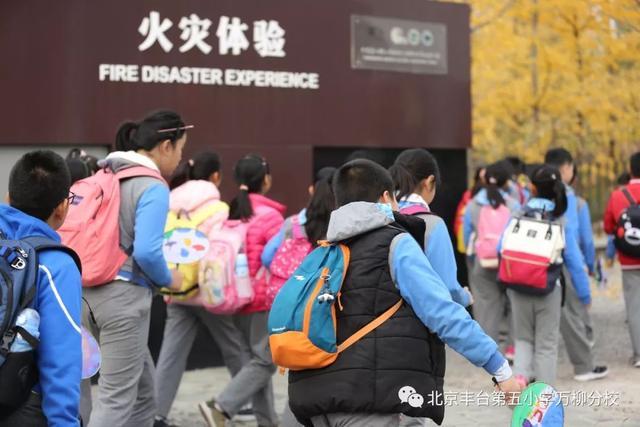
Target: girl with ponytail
<point>536,318</point>
<point>263,218</point>
<point>194,189</point>
<point>416,176</point>
<point>122,308</point>
<point>486,217</point>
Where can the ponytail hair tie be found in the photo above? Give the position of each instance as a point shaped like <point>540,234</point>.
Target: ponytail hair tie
<point>244,187</point>
<point>191,162</point>
<point>493,180</point>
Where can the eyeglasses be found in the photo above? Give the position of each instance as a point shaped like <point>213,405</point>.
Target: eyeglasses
<point>72,197</point>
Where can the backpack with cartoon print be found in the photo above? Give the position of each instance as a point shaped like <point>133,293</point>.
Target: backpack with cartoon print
<point>627,235</point>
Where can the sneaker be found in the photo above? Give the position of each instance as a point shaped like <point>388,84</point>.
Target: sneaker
<point>162,422</point>
<point>213,416</point>
<point>510,353</point>
<point>245,414</point>
<point>635,363</point>
<point>598,373</point>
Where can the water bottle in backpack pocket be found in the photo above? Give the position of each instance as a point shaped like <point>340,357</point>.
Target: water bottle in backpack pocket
<point>225,285</point>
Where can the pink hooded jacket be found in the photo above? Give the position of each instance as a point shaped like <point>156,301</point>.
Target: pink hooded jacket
<point>262,227</point>
<point>196,194</point>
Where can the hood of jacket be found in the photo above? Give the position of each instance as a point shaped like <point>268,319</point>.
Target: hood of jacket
<point>123,159</point>
<point>16,225</point>
<point>357,218</point>
<point>192,195</point>
<point>258,200</point>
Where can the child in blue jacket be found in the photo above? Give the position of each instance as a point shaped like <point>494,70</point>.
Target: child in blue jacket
<point>537,318</point>
<point>38,203</point>
<point>416,176</point>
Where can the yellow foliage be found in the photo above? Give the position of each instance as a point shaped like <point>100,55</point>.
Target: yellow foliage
<point>556,73</point>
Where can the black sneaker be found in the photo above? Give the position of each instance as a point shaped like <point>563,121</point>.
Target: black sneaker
<point>163,422</point>
<point>599,372</point>
<point>245,415</point>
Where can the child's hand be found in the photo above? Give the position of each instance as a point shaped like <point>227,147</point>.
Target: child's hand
<point>609,262</point>
<point>471,300</point>
<point>511,389</point>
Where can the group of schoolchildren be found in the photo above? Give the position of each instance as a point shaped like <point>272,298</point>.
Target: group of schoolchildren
<point>124,225</point>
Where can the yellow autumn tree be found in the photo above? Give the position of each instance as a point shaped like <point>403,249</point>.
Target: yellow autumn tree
<point>557,73</point>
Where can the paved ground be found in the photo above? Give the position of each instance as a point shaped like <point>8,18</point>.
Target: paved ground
<point>618,395</point>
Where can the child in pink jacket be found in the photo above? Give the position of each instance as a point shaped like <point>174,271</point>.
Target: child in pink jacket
<point>253,382</point>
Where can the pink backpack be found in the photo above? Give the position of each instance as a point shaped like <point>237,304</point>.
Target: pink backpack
<point>225,285</point>
<point>491,224</point>
<point>92,228</point>
<point>288,257</point>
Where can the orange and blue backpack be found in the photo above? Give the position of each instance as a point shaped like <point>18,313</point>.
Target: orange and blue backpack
<point>302,321</point>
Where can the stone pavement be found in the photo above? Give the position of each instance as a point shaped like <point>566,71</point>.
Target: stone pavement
<point>621,390</point>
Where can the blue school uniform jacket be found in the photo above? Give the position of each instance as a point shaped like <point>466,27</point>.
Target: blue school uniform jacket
<point>59,303</point>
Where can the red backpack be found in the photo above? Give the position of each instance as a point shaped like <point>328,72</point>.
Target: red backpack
<point>92,227</point>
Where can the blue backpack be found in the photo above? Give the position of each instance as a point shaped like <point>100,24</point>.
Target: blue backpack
<point>302,322</point>
<point>18,288</point>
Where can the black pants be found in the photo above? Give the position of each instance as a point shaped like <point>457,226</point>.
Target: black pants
<point>28,415</point>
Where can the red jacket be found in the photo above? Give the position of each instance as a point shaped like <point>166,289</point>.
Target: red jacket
<point>262,227</point>
<point>617,203</point>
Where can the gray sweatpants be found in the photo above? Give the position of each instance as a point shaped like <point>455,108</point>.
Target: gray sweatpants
<point>490,300</point>
<point>536,331</point>
<point>125,388</point>
<point>254,381</point>
<point>356,420</point>
<point>180,332</point>
<point>631,288</point>
<point>574,330</point>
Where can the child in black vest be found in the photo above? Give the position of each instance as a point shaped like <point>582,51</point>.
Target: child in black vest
<point>397,368</point>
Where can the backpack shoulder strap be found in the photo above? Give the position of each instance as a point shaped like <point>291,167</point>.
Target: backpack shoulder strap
<point>42,244</point>
<point>628,196</point>
<point>415,210</point>
<point>136,171</point>
<point>369,327</point>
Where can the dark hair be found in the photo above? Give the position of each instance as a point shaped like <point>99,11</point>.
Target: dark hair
<point>249,174</point>
<point>150,131</point>
<point>366,154</point>
<point>549,185</point>
<point>517,164</point>
<point>623,178</point>
<point>558,157</point>
<point>90,162</point>
<point>38,183</point>
<point>634,165</point>
<point>477,181</point>
<point>361,181</point>
<point>78,170</point>
<point>202,166</point>
<point>497,176</point>
<point>320,206</point>
<point>410,168</point>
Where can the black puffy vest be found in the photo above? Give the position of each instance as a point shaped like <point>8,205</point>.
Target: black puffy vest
<point>400,358</point>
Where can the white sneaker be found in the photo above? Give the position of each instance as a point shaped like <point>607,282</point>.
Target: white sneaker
<point>636,364</point>
<point>598,373</point>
